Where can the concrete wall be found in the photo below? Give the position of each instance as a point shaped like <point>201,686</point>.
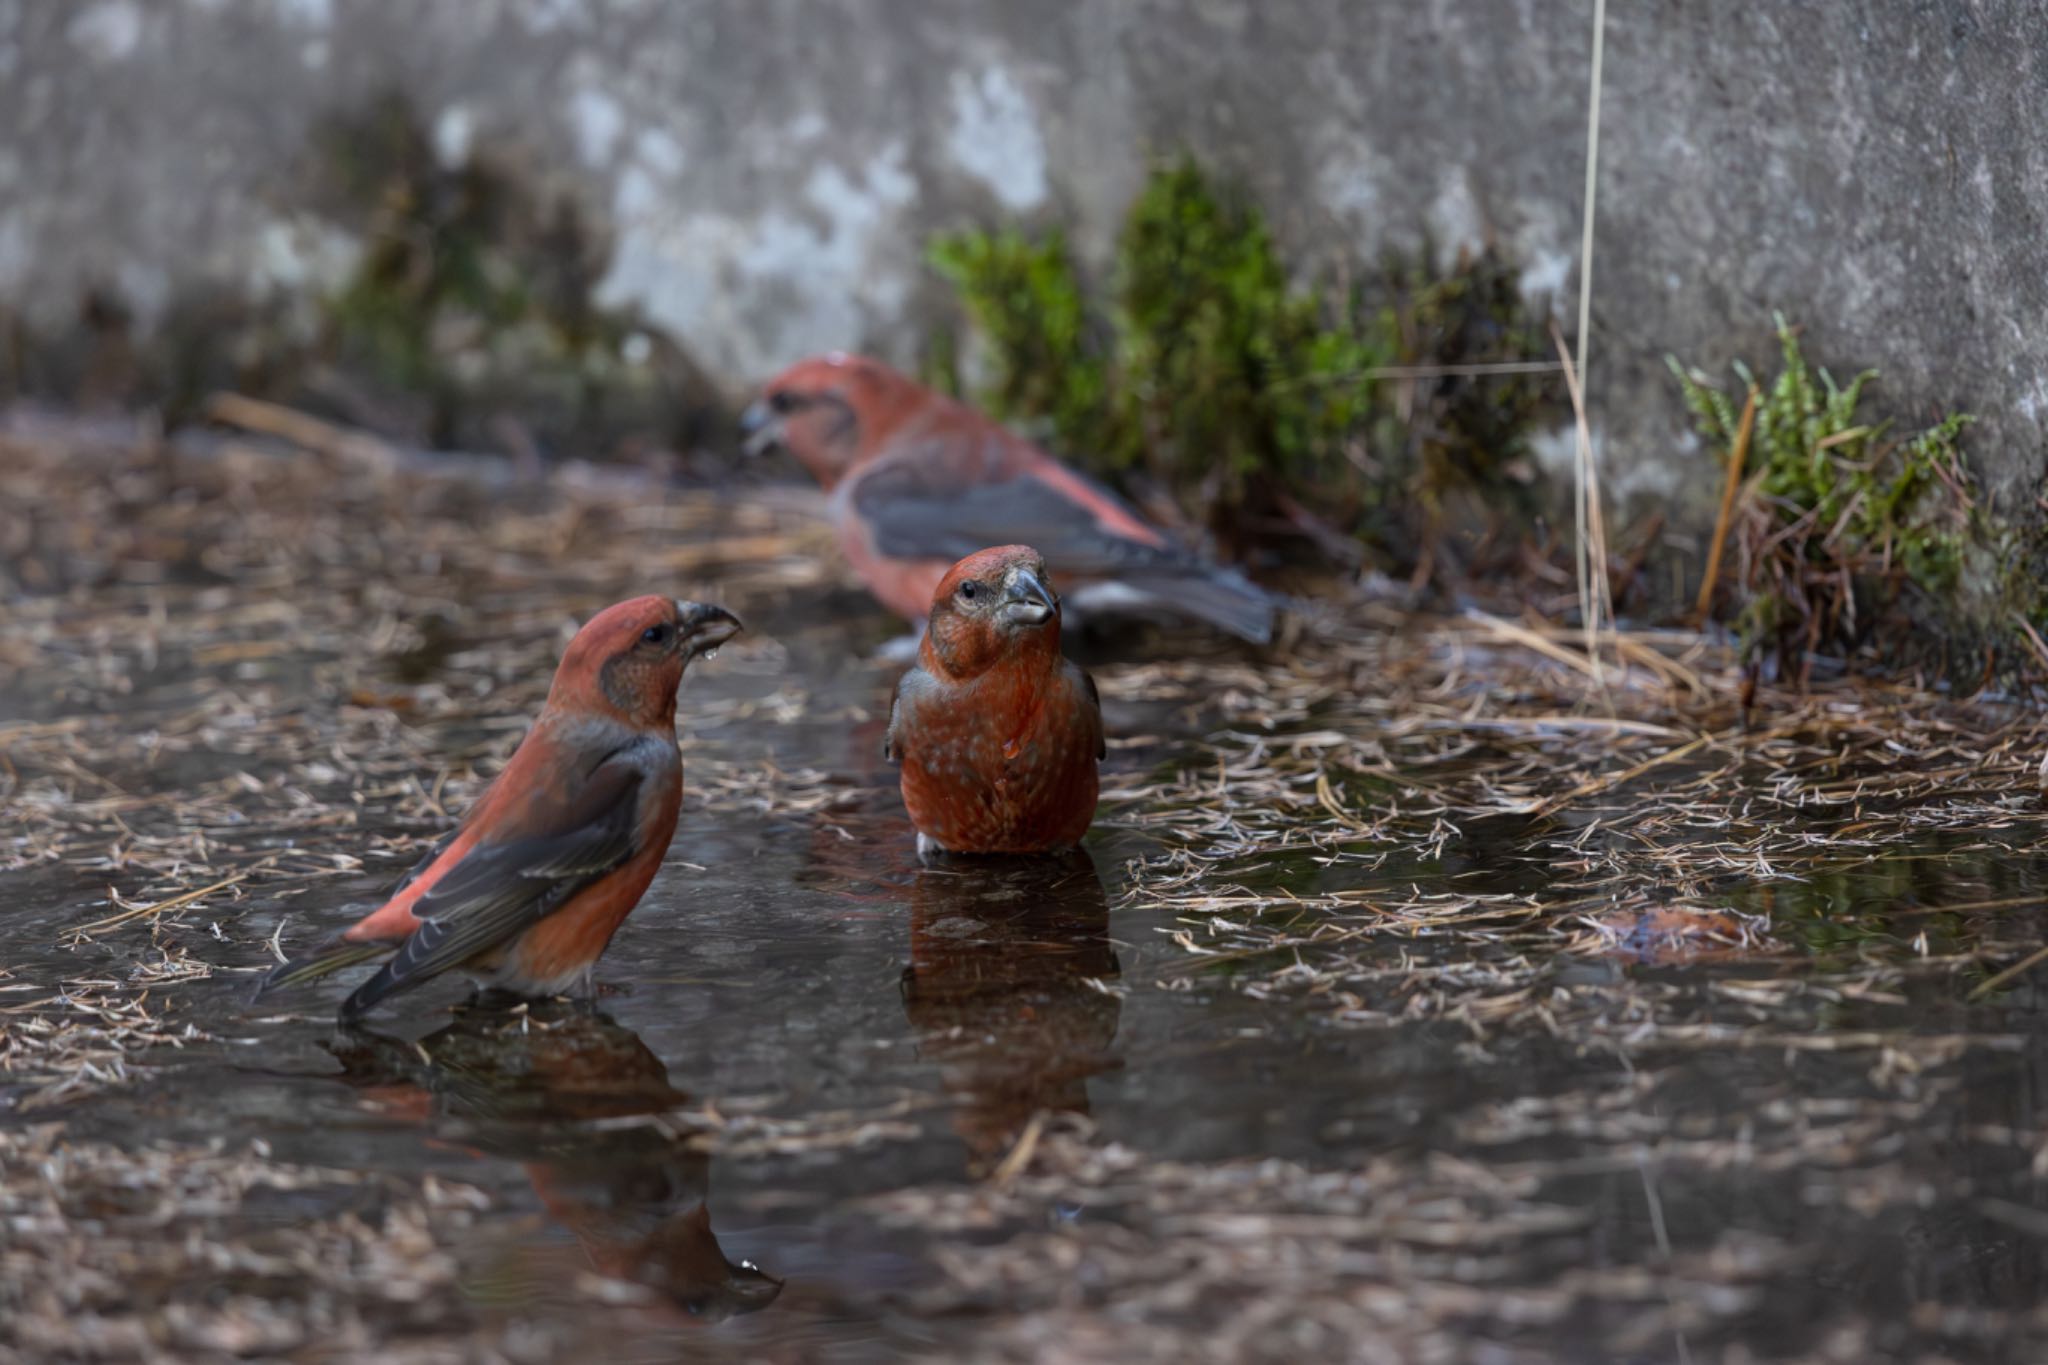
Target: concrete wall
<point>770,167</point>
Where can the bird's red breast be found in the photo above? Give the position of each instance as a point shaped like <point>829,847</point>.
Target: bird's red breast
<point>1002,765</point>
<point>997,733</point>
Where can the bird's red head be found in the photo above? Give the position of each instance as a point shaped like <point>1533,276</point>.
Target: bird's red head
<point>992,606</point>
<point>831,412</point>
<point>628,660</point>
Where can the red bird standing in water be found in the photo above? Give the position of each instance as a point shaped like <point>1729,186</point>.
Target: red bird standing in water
<point>919,480</point>
<point>997,732</point>
<point>528,890</point>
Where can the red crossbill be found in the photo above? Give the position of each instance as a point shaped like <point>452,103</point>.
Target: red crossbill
<point>917,480</point>
<point>998,734</point>
<point>528,890</point>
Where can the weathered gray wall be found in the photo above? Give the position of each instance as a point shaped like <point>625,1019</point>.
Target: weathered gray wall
<point>770,167</point>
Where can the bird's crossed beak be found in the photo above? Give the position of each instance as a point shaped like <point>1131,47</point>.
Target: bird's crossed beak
<point>702,627</point>
<point>1026,599</point>
<point>760,427</point>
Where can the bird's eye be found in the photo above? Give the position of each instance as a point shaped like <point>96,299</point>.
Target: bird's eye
<point>658,635</point>
<point>782,401</point>
<point>969,591</point>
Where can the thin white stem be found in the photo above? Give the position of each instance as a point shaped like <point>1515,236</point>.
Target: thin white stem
<point>1592,183</point>
<point>1592,557</point>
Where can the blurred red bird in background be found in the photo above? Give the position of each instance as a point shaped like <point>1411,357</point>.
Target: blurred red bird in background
<point>997,732</point>
<point>528,890</point>
<point>919,480</point>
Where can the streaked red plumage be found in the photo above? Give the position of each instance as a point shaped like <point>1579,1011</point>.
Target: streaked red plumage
<point>918,480</point>
<point>544,868</point>
<point>998,734</point>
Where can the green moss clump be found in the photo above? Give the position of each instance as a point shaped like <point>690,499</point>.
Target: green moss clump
<point>1231,376</point>
<point>1025,298</point>
<point>1844,522</point>
<point>1451,436</point>
<point>1203,369</point>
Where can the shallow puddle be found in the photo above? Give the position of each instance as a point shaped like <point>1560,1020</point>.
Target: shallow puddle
<point>1354,1034</point>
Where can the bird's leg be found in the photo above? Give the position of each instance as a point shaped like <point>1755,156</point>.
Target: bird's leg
<point>586,987</point>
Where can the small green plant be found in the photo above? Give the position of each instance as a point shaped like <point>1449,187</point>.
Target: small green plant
<point>1230,375</point>
<point>1207,371</point>
<point>1443,435</point>
<point>1025,298</point>
<point>1841,523</point>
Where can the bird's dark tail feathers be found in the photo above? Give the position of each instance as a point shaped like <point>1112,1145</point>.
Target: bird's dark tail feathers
<point>1223,597</point>
<point>382,983</point>
<point>332,959</point>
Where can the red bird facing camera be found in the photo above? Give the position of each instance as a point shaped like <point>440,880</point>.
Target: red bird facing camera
<point>998,733</point>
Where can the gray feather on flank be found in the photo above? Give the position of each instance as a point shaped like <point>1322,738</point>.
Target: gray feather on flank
<point>1222,599</point>
<point>499,890</point>
<point>495,892</point>
<point>912,513</point>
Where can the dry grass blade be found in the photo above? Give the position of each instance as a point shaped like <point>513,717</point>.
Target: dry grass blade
<point>160,907</point>
<point>1601,784</point>
<point>1018,1160</point>
<point>2010,974</point>
<point>1596,590</point>
<point>1663,665</point>
<point>1738,455</point>
<point>302,429</point>
<point>1529,639</point>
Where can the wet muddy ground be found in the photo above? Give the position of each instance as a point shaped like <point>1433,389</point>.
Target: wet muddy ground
<point>1421,995</point>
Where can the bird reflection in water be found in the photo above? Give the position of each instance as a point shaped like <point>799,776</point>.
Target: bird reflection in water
<point>585,1108</point>
<point>1003,956</point>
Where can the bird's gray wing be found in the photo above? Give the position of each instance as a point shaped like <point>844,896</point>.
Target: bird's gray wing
<point>501,888</point>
